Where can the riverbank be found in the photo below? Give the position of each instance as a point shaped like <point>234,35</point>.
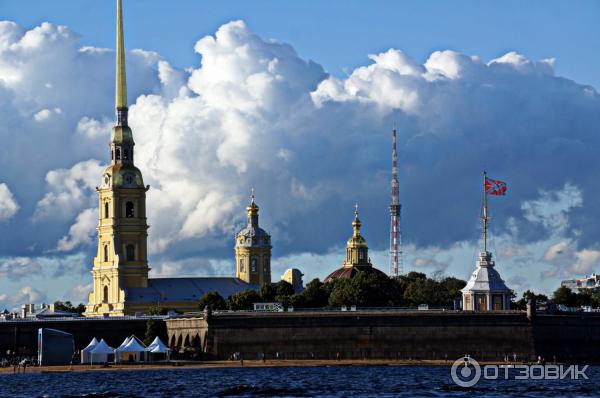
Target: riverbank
<point>230,364</point>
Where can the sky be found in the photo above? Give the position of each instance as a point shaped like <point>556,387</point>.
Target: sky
<point>296,100</point>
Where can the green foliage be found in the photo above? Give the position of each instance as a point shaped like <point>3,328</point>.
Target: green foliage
<point>152,330</point>
<point>315,295</point>
<point>365,290</point>
<point>521,304</point>
<point>212,299</point>
<point>422,291</point>
<point>563,295</point>
<point>267,292</point>
<point>243,300</point>
<point>69,307</point>
<point>158,310</point>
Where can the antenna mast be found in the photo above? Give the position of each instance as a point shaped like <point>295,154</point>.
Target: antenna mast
<point>396,263</point>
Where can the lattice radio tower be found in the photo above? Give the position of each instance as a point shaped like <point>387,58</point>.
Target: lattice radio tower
<point>396,262</point>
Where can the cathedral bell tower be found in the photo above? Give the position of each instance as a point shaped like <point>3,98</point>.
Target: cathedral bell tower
<point>121,260</point>
<point>253,250</point>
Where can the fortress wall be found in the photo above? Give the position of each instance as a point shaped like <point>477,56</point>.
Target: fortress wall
<point>362,334</point>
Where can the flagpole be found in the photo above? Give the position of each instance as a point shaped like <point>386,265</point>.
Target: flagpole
<point>484,213</point>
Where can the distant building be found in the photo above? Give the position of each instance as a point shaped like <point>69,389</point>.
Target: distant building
<point>357,256</point>
<point>293,276</point>
<point>591,282</point>
<point>45,311</point>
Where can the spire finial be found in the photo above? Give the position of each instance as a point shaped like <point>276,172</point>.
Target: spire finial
<point>356,222</point>
<point>252,195</point>
<point>121,81</point>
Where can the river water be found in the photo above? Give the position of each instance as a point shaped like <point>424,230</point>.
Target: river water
<point>336,381</point>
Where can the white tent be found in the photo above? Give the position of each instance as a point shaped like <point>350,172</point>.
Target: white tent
<point>101,352</point>
<point>85,353</point>
<point>134,349</point>
<point>158,347</point>
<point>124,343</point>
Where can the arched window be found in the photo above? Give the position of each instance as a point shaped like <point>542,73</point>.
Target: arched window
<point>130,252</point>
<point>129,210</point>
<point>112,155</point>
<point>253,265</point>
<point>105,295</point>
<point>241,265</point>
<point>106,210</point>
<point>105,253</point>
<point>126,154</point>
<point>118,154</point>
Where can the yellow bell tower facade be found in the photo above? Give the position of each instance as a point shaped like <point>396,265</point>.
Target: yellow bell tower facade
<point>121,260</point>
<point>253,250</point>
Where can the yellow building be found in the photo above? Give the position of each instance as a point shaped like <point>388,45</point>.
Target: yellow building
<point>253,250</point>
<point>120,273</point>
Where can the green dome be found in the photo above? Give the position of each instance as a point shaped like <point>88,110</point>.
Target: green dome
<point>122,135</point>
<point>123,175</point>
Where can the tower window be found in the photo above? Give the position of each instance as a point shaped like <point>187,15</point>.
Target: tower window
<point>253,265</point>
<point>106,210</point>
<point>118,154</point>
<point>129,210</point>
<point>130,252</point>
<point>105,295</point>
<point>241,265</point>
<point>112,155</point>
<point>105,253</point>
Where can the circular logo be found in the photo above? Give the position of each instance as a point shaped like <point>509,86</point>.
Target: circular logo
<point>465,372</point>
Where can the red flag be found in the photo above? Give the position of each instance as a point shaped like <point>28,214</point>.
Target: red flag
<point>495,187</point>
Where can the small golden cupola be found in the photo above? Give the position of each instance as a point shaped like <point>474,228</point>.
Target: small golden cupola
<point>357,251</point>
<point>357,255</point>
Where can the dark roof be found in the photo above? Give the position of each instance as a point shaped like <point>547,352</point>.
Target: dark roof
<point>186,289</point>
<point>351,272</point>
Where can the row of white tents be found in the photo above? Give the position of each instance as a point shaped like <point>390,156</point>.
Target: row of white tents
<point>131,350</point>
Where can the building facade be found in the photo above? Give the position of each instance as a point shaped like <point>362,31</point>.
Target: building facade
<point>121,285</point>
<point>121,260</point>
<point>485,290</point>
<point>253,250</point>
<point>591,282</point>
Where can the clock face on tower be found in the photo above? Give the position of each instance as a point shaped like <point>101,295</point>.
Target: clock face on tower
<point>106,180</point>
<point>129,180</point>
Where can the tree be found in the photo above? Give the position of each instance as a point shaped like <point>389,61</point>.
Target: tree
<point>563,295</point>
<point>158,310</point>
<point>422,291</point>
<point>242,301</point>
<point>267,292</point>
<point>521,304</point>
<point>344,292</point>
<point>315,295</point>
<point>452,287</point>
<point>213,300</point>
<point>284,288</point>
<point>152,330</point>
<point>68,307</point>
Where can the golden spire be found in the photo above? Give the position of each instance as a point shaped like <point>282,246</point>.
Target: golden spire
<point>121,88</point>
<point>252,211</point>
<point>356,222</point>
